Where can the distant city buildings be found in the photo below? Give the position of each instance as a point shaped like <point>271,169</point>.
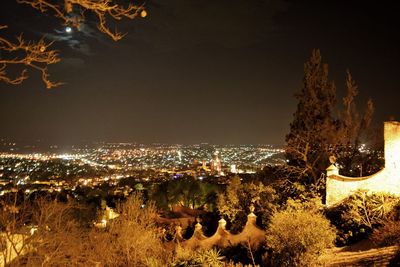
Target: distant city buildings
<point>109,163</point>
<point>216,164</point>
<point>233,168</point>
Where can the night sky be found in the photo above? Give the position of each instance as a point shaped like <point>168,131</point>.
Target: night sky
<point>193,71</point>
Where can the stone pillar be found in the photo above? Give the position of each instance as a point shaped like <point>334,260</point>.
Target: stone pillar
<point>178,233</point>
<point>222,224</point>
<point>332,170</point>
<point>392,145</point>
<point>198,232</point>
<point>198,227</point>
<point>251,218</point>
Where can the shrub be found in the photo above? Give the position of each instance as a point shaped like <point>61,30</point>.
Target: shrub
<point>235,201</point>
<point>387,235</point>
<point>313,204</point>
<point>358,215</point>
<point>297,238</point>
<point>244,254</point>
<point>44,233</point>
<point>132,239</point>
<point>203,257</point>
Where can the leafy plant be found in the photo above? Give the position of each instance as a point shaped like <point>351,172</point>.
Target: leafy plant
<point>361,213</point>
<point>235,202</point>
<point>297,238</point>
<point>387,235</point>
<point>131,239</point>
<point>204,257</point>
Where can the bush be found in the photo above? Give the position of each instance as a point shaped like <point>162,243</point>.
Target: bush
<point>387,235</point>
<point>132,239</point>
<point>45,233</point>
<point>235,201</point>
<point>244,254</point>
<point>297,238</point>
<point>203,257</point>
<point>358,215</point>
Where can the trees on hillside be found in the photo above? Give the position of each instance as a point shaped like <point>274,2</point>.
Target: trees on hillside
<point>48,233</point>
<point>22,55</point>
<point>43,233</point>
<point>313,129</point>
<point>354,130</point>
<point>186,192</point>
<point>316,132</point>
<point>132,239</point>
<point>235,202</point>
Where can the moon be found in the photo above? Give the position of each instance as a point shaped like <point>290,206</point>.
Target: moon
<point>68,29</point>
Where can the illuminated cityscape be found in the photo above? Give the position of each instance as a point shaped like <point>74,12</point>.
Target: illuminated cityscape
<point>110,162</point>
<point>196,133</point>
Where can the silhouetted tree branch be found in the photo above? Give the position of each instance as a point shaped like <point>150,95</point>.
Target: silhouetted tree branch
<point>316,133</point>
<point>73,12</point>
<point>26,55</point>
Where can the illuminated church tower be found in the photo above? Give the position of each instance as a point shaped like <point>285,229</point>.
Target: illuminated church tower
<point>216,164</point>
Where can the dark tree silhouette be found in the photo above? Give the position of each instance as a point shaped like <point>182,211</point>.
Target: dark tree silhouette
<point>313,130</point>
<point>316,133</point>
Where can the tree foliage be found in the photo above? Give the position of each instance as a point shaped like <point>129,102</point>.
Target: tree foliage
<point>203,257</point>
<point>312,131</point>
<point>238,197</point>
<point>298,237</point>
<point>316,133</point>
<point>187,192</point>
<point>387,235</point>
<point>43,233</point>
<point>13,216</point>
<point>355,130</point>
<point>132,239</point>
<point>59,238</point>
<point>358,215</point>
<point>48,233</point>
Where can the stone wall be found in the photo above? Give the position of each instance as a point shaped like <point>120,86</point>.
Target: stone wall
<point>338,187</point>
<point>251,234</point>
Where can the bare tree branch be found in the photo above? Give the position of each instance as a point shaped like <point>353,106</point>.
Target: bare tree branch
<point>101,8</point>
<point>33,55</point>
<point>37,55</point>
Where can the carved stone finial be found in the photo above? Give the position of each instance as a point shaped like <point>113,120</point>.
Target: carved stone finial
<point>222,223</point>
<point>332,170</point>
<point>251,217</point>
<point>178,233</point>
<point>252,208</point>
<point>198,226</point>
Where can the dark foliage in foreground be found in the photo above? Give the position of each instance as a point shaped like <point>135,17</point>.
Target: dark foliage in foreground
<point>358,215</point>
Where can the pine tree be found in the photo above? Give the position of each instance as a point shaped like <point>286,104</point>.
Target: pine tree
<point>313,130</point>
<point>354,130</point>
<point>350,118</point>
<point>316,134</point>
